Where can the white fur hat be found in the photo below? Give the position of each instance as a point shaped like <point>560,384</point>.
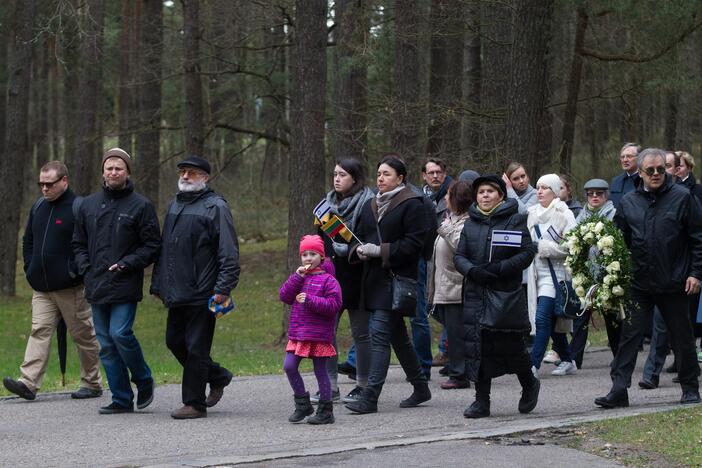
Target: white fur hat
<point>552,181</point>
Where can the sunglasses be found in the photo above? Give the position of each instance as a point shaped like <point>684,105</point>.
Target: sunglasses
<point>48,185</point>
<point>652,170</point>
<point>595,193</point>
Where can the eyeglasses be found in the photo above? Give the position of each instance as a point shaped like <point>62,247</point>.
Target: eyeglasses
<point>191,172</point>
<point>652,170</point>
<point>48,185</point>
<point>434,173</point>
<point>595,193</point>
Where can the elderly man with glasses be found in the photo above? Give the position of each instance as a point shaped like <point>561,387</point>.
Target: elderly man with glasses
<point>662,226</point>
<point>629,178</point>
<point>58,291</point>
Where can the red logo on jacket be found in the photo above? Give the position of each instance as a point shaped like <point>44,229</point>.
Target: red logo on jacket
<point>58,221</point>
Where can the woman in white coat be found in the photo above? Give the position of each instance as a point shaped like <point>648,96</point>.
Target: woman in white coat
<point>549,221</point>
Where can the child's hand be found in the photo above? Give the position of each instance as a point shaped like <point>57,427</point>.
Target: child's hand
<point>301,298</point>
<point>302,270</point>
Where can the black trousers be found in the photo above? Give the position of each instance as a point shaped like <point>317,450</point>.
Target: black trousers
<point>453,321</point>
<point>581,326</point>
<point>189,333</point>
<point>674,310</point>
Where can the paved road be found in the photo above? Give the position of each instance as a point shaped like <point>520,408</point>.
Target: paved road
<point>250,425</point>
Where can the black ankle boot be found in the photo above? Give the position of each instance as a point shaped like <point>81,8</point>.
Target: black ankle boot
<point>478,409</point>
<point>303,407</point>
<point>420,395</point>
<point>530,397</point>
<point>368,403</point>
<point>324,415</point>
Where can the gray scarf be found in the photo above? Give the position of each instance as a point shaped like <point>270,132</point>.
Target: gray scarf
<point>349,208</point>
<point>383,200</point>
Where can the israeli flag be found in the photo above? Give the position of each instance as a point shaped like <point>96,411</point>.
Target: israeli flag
<point>506,238</point>
<point>554,234</point>
<point>322,209</point>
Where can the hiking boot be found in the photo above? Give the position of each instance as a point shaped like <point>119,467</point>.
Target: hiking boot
<point>420,394</point>
<point>188,412</point>
<point>145,396</point>
<point>18,388</point>
<point>353,395</point>
<point>478,409</point>
<point>114,408</point>
<point>303,408</point>
<point>440,360</point>
<point>336,396</point>
<point>614,399</point>
<point>530,397</point>
<point>565,368</point>
<point>216,393</point>
<point>324,415</point>
<point>85,392</point>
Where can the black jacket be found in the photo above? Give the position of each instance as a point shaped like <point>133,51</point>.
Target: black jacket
<point>200,252</point>
<point>403,230</point>
<point>663,230</point>
<point>115,227</point>
<point>499,305</point>
<point>46,245</point>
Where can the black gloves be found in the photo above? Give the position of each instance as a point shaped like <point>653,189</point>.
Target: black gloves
<point>481,275</point>
<point>494,268</point>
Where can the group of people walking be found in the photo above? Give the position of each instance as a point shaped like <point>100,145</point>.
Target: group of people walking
<point>481,254</point>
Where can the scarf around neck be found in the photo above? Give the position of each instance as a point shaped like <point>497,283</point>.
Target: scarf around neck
<point>349,208</point>
<point>383,200</point>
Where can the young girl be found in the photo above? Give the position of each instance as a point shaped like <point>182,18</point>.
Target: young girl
<point>315,297</point>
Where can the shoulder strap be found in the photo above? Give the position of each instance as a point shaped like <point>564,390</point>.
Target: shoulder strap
<point>548,260</point>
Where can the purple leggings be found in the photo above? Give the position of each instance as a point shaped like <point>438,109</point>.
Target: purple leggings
<point>291,365</point>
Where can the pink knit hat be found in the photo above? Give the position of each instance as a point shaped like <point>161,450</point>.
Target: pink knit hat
<point>313,243</point>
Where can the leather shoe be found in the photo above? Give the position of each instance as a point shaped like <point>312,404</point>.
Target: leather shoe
<point>444,371</point>
<point>453,384</point>
<point>85,392</point>
<point>18,388</point>
<point>478,409</point>
<point>216,393</point>
<point>363,406</point>
<point>188,412</point>
<point>530,397</point>
<point>614,399</point>
<point>420,394</point>
<point>649,384</point>
<point>690,396</point>
<point>440,360</point>
<point>145,396</point>
<point>114,408</point>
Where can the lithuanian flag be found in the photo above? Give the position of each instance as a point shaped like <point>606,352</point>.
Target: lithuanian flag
<point>335,226</point>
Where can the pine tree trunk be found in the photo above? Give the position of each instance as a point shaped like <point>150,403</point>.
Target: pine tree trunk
<point>194,112</point>
<point>13,164</point>
<point>472,88</point>
<point>125,108</point>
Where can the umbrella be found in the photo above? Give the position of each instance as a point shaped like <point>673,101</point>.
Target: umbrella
<point>61,341</point>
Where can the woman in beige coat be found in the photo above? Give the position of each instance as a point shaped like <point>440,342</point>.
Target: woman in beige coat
<point>444,282</point>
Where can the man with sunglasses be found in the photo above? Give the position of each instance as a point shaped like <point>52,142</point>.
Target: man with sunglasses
<point>629,179</point>
<point>115,238</point>
<point>58,291</point>
<point>662,226</point>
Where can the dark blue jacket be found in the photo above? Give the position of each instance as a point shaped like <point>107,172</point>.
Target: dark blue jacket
<point>115,226</point>
<point>200,251</point>
<point>621,185</point>
<point>46,245</point>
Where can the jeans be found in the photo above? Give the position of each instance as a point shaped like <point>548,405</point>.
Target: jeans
<point>351,357</point>
<point>387,329</point>
<point>443,340</point>
<point>545,323</point>
<point>120,352</point>
<point>421,334</point>
<point>189,334</point>
<point>677,322</point>
<point>659,348</point>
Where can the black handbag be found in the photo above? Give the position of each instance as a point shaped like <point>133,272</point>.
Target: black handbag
<point>404,290</point>
<point>567,303</point>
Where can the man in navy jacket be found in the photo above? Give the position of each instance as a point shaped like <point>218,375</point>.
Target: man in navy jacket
<point>629,179</point>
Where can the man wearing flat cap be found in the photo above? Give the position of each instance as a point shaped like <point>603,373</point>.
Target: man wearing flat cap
<point>116,236</point>
<point>199,262</point>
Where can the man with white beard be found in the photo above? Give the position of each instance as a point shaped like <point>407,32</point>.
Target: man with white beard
<point>199,261</point>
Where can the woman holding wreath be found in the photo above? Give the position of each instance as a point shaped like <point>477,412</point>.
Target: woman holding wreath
<point>494,249</point>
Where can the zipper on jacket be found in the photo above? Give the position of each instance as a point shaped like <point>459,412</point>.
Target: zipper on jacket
<point>43,243</point>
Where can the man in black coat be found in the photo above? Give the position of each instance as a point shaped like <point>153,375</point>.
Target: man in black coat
<point>662,225</point>
<point>58,291</point>
<point>115,238</point>
<point>199,260</point>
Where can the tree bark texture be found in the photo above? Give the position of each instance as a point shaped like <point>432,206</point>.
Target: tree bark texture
<point>349,103</point>
<point>126,108</point>
<point>472,89</point>
<point>148,140</point>
<point>194,112</point>
<point>407,107</point>
<point>526,96</point>
<point>86,165</point>
<point>17,149</point>
<point>446,81</point>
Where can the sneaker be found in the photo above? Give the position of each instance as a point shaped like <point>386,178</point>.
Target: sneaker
<point>114,408</point>
<point>18,388</point>
<point>85,392</point>
<point>552,358</point>
<point>587,346</point>
<point>353,395</point>
<point>535,372</point>
<point>336,396</point>
<point>699,356</point>
<point>565,368</point>
<point>145,396</point>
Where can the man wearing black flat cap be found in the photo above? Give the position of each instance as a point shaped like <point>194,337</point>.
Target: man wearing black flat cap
<point>199,260</point>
